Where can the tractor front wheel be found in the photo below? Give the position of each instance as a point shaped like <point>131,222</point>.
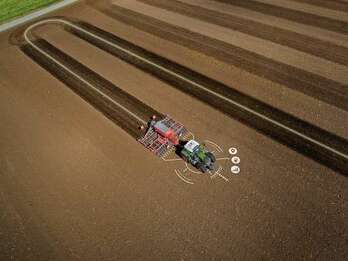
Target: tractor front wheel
<point>211,156</point>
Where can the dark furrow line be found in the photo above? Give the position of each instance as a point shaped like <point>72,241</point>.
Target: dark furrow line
<point>308,83</point>
<point>292,15</point>
<point>283,135</point>
<point>110,110</point>
<point>120,96</point>
<point>336,5</point>
<point>320,48</point>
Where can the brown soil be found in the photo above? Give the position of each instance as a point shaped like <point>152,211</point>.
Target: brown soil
<point>334,4</point>
<point>293,15</point>
<point>294,40</point>
<point>292,77</point>
<point>74,185</point>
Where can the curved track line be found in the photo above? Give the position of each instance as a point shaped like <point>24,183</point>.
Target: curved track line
<point>177,172</point>
<point>214,144</point>
<point>171,160</point>
<point>241,106</point>
<point>223,158</point>
<point>74,74</point>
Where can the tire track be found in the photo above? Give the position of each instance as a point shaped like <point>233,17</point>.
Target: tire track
<point>308,83</point>
<point>109,109</point>
<point>292,15</point>
<point>320,48</point>
<point>272,122</point>
<point>336,5</point>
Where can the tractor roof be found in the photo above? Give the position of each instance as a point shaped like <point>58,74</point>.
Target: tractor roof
<point>191,145</point>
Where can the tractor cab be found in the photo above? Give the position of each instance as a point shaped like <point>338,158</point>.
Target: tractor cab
<point>164,135</point>
<point>195,154</point>
<point>192,146</point>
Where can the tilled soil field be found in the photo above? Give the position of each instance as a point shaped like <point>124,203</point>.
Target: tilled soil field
<point>266,77</point>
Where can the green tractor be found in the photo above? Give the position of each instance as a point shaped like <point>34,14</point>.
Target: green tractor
<point>195,154</point>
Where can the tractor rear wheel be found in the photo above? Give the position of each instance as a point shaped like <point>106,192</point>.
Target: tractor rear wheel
<point>202,167</point>
<point>211,156</point>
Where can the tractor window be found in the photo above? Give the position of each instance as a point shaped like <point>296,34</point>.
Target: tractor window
<point>196,148</point>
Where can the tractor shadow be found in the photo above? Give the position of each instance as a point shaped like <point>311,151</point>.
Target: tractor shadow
<point>180,147</point>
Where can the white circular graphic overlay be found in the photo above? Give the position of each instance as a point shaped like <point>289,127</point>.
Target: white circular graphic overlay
<point>235,160</point>
<point>233,151</point>
<point>235,169</point>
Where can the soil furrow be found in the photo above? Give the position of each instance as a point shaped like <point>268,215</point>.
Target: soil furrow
<point>308,83</point>
<point>292,15</point>
<point>110,110</point>
<point>332,4</point>
<point>294,40</point>
<point>283,135</point>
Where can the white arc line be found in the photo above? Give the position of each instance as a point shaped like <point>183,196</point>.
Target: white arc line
<point>217,146</point>
<point>177,172</point>
<point>241,106</point>
<point>223,158</point>
<point>76,75</point>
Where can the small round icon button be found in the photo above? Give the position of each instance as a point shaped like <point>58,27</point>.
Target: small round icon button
<point>235,160</point>
<point>233,151</point>
<point>235,169</point>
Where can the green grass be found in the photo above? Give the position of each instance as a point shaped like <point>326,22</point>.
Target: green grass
<point>10,9</point>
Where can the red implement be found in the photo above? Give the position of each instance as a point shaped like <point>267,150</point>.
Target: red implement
<point>162,135</point>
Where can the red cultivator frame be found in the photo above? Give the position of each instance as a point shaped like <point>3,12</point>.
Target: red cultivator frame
<point>163,135</point>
